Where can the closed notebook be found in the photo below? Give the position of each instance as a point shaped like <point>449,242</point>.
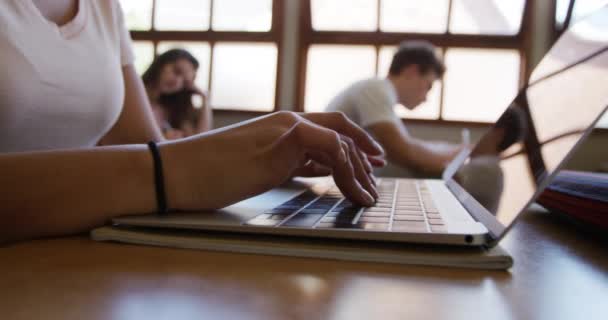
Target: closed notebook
<point>348,250</point>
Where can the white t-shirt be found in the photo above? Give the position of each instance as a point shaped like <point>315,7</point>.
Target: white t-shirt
<point>60,87</point>
<point>367,102</point>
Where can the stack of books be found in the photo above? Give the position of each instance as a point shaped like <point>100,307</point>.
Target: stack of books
<point>581,196</point>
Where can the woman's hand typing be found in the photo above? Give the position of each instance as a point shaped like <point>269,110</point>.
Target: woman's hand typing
<point>218,168</point>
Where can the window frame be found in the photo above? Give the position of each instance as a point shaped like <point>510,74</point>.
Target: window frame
<point>274,35</point>
<point>521,41</point>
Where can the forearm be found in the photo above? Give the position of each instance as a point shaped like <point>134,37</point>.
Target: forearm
<point>62,192</point>
<point>205,120</point>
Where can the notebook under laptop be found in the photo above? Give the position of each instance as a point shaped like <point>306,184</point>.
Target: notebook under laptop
<point>482,191</point>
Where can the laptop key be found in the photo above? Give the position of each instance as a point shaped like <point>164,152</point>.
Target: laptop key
<point>378,209</point>
<point>437,222</point>
<point>411,224</point>
<point>352,210</point>
<point>383,205</point>
<point>281,210</point>
<point>337,225</point>
<point>341,214</point>
<point>408,218</point>
<point>374,219</point>
<point>433,215</point>
<point>376,214</point>
<point>313,211</point>
<point>429,205</point>
<point>412,208</point>
<point>409,213</point>
<point>302,220</point>
<point>347,220</point>
<point>279,217</point>
<point>373,226</point>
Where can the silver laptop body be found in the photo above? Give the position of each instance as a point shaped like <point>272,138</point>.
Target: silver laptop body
<point>483,190</point>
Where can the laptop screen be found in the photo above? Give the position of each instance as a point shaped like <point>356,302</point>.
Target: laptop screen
<point>567,93</point>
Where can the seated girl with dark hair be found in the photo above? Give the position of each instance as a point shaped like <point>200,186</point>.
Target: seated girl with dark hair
<point>169,83</point>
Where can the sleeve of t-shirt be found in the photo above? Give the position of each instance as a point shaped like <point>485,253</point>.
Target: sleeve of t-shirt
<point>126,46</point>
<point>375,106</point>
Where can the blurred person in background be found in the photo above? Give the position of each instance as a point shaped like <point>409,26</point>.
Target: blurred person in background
<point>369,103</point>
<point>169,83</point>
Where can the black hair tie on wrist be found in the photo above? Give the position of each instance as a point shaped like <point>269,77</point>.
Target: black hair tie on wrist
<point>159,180</point>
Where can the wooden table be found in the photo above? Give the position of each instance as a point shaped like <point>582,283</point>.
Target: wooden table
<point>559,273</point>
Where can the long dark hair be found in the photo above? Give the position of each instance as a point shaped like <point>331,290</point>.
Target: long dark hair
<point>178,106</point>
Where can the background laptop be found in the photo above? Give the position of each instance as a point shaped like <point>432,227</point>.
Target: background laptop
<point>483,190</point>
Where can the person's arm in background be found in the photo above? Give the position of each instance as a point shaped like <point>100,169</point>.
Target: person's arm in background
<point>204,122</point>
<point>407,151</point>
<point>136,123</point>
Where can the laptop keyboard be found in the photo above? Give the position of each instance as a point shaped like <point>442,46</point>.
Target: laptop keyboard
<point>404,205</point>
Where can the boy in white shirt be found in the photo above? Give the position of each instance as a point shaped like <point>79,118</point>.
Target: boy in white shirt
<point>369,103</point>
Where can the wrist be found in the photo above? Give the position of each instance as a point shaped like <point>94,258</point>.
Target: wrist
<point>174,176</point>
<point>138,187</point>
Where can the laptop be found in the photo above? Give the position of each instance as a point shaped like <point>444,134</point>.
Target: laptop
<point>482,191</point>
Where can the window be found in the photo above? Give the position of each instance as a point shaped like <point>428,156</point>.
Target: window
<point>340,59</point>
<point>361,15</point>
<point>237,15</point>
<point>414,16</point>
<point>567,14</point>
<point>244,74</point>
<point>138,14</point>
<point>580,8</point>
<point>144,55</point>
<point>479,83</point>
<point>479,40</point>
<point>491,17</point>
<point>182,14</point>
<point>236,42</point>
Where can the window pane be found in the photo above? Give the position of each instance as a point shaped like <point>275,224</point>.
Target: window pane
<point>591,26</point>
<point>331,68</point>
<point>479,83</point>
<point>427,110</point>
<point>561,11</point>
<point>182,15</point>
<point>200,50</point>
<point>144,54</point>
<point>581,40</point>
<point>344,15</point>
<point>242,15</point>
<point>429,16</point>
<point>138,14</point>
<point>244,76</point>
<point>580,10</point>
<point>500,17</point>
